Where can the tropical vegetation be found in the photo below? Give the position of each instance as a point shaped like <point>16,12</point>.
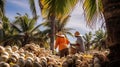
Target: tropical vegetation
<point>96,40</point>
<point>53,10</point>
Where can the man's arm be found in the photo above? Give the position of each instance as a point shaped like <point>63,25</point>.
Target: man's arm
<point>56,43</point>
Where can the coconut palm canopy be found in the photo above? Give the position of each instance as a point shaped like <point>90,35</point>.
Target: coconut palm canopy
<point>43,14</point>
<point>56,12</point>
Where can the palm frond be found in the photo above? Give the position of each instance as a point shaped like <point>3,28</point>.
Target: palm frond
<point>69,33</point>
<point>2,7</point>
<point>18,14</point>
<point>35,28</point>
<point>33,8</point>
<point>46,24</point>
<point>47,31</point>
<point>92,10</point>
<point>32,23</point>
<point>16,28</point>
<point>61,10</point>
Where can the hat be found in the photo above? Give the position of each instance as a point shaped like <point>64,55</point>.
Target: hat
<point>60,34</point>
<point>77,33</point>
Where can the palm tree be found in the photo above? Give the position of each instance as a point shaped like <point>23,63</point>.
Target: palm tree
<point>40,38</point>
<point>59,26</point>
<point>111,14</point>
<point>2,12</point>
<point>26,28</point>
<point>55,9</point>
<point>2,8</point>
<point>8,34</point>
<point>5,28</point>
<point>110,11</point>
<point>100,39</point>
<point>88,40</point>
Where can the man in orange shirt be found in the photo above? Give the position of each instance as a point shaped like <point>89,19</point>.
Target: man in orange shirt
<point>62,44</point>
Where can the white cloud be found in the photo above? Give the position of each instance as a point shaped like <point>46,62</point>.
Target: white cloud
<point>21,3</point>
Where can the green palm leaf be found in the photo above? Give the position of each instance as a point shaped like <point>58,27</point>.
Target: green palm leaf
<point>2,8</point>
<point>93,10</point>
<point>62,8</point>
<point>16,28</point>
<point>35,28</point>
<point>33,8</point>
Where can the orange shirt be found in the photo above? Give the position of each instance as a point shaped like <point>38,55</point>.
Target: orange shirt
<point>61,42</point>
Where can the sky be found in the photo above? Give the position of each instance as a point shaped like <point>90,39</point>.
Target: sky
<point>77,20</point>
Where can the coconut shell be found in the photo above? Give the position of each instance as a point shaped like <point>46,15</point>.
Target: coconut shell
<point>3,64</point>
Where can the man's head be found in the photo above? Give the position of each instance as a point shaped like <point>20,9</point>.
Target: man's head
<point>77,34</point>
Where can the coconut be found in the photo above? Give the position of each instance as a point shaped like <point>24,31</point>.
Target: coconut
<point>15,55</point>
<point>43,63</point>
<point>44,58</point>
<point>15,65</point>
<point>84,64</point>
<point>3,64</point>
<point>21,50</point>
<point>4,58</point>
<point>30,58</point>
<point>30,55</point>
<point>78,62</point>
<point>22,54</point>
<point>65,64</point>
<point>36,64</point>
<point>2,49</point>
<point>30,47</point>
<point>97,65</point>
<point>8,49</point>
<point>28,63</point>
<point>37,59</point>
<point>21,62</point>
<point>4,53</point>
<point>51,65</point>
<point>11,60</point>
<point>15,48</point>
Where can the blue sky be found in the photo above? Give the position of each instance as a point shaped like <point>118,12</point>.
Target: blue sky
<point>77,20</point>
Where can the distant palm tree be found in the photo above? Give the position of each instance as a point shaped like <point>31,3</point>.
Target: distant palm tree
<point>100,39</point>
<point>8,35</point>
<point>88,40</point>
<point>26,28</point>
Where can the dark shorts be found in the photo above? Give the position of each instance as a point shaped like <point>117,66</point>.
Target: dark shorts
<point>64,52</point>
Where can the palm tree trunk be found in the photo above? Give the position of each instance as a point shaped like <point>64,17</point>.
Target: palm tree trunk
<point>25,40</point>
<point>52,37</point>
<point>112,18</point>
<point>1,35</point>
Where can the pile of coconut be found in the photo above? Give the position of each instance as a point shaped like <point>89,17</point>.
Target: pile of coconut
<point>33,56</point>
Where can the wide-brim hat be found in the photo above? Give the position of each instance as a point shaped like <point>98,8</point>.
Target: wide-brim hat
<point>60,34</point>
<point>77,33</point>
